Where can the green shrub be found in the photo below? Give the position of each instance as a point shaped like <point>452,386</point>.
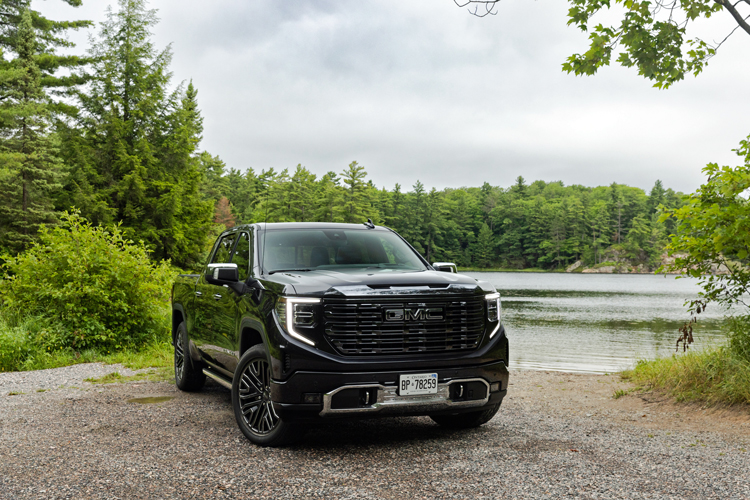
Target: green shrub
<point>95,289</point>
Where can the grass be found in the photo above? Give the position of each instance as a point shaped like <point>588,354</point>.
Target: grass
<point>714,376</point>
<point>623,392</point>
<point>160,374</point>
<point>19,353</point>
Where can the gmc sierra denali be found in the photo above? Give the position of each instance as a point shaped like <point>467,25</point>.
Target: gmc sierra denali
<point>303,321</point>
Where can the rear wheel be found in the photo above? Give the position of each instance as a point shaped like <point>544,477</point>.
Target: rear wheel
<point>251,400</point>
<point>467,420</point>
<point>186,376</point>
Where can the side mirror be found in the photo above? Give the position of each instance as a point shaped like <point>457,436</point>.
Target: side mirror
<point>252,286</point>
<point>222,273</point>
<point>446,267</point>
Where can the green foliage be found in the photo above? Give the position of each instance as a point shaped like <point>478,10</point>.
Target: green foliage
<point>132,154</point>
<point>29,166</point>
<point>15,347</point>
<point>22,347</point>
<point>545,225</point>
<point>713,233</point>
<point>102,288</point>
<point>651,37</point>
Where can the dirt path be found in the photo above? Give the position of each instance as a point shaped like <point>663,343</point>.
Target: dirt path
<point>557,435</point>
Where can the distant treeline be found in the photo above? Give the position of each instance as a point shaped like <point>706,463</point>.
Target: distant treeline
<point>544,225</point>
<point>107,135</point>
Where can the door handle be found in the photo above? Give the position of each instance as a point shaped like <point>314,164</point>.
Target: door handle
<point>217,296</point>
<point>198,294</point>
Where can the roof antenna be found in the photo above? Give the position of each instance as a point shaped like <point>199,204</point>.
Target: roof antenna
<point>370,224</point>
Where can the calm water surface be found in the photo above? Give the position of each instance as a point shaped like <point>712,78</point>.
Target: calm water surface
<point>596,322</point>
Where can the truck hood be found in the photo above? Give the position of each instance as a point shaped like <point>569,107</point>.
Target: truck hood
<point>359,282</point>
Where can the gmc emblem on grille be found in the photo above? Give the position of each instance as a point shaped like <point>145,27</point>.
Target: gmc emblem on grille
<point>414,314</point>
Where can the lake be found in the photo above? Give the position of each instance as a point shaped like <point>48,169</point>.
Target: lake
<point>596,323</point>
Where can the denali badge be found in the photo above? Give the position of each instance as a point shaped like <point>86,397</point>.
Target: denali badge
<point>414,314</point>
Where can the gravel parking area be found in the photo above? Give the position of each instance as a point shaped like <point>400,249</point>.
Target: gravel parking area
<point>556,435</point>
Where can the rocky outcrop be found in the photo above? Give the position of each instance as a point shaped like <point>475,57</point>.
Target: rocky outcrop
<point>575,265</point>
<point>600,270</point>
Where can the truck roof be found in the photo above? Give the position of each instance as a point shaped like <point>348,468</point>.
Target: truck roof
<point>311,225</point>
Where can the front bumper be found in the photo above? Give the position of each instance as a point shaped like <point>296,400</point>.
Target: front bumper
<point>365,394</point>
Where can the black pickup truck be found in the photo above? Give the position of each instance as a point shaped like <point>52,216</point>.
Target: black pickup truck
<point>303,321</point>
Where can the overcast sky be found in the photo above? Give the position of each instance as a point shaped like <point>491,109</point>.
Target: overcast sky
<point>421,90</point>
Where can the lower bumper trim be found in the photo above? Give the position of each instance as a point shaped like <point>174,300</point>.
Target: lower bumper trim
<point>387,399</point>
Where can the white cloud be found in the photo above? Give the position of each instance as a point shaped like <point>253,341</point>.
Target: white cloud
<point>422,90</point>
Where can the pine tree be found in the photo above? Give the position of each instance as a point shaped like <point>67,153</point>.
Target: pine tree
<point>355,208</point>
<point>48,37</point>
<point>302,191</point>
<point>142,140</point>
<point>29,166</point>
<point>329,198</point>
<point>484,247</point>
<point>223,213</point>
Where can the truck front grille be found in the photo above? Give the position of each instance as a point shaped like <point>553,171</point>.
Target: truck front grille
<point>400,326</point>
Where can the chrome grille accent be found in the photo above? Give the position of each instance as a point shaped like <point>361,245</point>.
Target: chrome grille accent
<point>359,326</point>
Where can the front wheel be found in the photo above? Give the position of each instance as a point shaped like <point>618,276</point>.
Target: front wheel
<point>467,420</point>
<point>251,400</point>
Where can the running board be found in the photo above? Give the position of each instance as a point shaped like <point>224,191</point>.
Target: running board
<point>219,379</point>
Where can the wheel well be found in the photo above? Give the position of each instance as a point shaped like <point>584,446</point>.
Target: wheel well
<point>250,338</point>
<point>176,320</point>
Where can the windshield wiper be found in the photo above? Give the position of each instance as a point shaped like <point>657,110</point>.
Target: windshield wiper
<point>288,270</point>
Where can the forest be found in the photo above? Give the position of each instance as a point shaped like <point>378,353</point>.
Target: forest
<point>107,135</point>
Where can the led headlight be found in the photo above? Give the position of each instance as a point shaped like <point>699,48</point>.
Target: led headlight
<point>296,312</point>
<point>494,309</point>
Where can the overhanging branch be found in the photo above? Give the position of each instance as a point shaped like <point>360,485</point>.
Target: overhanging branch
<point>489,6</point>
<point>737,17</point>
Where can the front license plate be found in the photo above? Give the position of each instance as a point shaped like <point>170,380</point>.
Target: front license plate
<point>418,383</point>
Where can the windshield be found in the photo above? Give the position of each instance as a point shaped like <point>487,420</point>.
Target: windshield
<point>310,249</point>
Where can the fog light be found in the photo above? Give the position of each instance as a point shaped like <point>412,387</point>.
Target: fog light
<point>311,397</point>
<point>495,387</point>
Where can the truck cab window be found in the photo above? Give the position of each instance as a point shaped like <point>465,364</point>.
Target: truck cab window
<point>223,253</point>
<point>242,255</point>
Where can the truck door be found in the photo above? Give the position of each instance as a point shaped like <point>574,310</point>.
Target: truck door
<point>216,313</point>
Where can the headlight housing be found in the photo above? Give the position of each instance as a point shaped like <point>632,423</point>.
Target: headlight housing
<point>494,311</point>
<point>296,312</point>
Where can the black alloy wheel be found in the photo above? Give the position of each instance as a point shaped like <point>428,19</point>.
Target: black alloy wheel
<point>179,357</point>
<point>255,397</point>
<point>253,407</point>
<point>186,376</point>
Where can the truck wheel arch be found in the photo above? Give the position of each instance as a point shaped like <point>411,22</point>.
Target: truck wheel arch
<point>249,338</point>
<point>178,317</point>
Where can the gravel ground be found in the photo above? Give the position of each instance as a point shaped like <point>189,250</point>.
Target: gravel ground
<point>556,435</point>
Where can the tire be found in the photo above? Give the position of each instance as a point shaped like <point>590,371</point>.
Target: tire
<point>251,401</point>
<point>467,420</point>
<point>187,377</point>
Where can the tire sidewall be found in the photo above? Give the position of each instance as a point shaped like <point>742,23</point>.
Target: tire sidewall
<point>192,379</point>
<point>182,338</point>
<point>276,436</point>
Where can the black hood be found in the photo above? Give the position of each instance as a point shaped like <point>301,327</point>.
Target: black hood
<point>358,281</point>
